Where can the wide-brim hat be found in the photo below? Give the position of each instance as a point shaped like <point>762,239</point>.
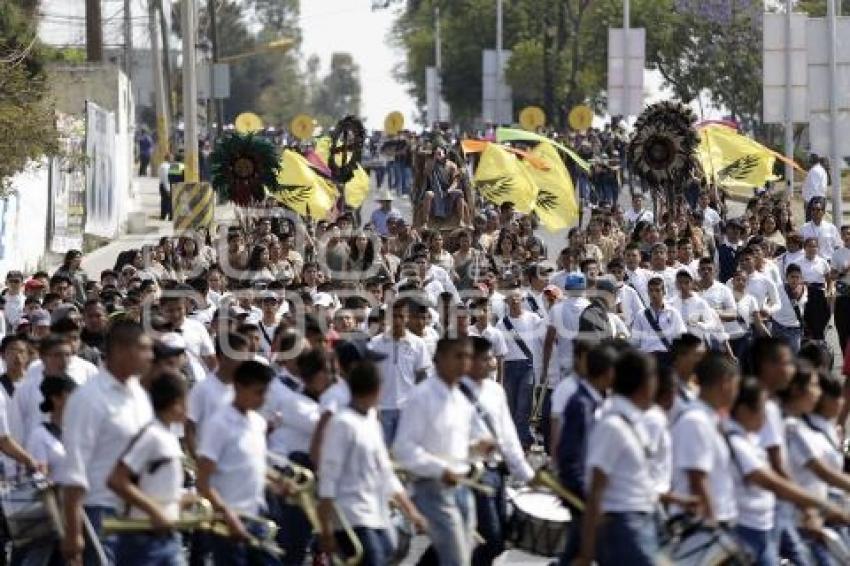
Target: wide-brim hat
<point>384,196</point>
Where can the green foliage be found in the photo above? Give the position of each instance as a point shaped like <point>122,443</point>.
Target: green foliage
<point>560,50</point>
<point>26,113</point>
<point>338,94</point>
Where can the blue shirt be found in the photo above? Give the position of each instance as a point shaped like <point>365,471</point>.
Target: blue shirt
<point>379,220</point>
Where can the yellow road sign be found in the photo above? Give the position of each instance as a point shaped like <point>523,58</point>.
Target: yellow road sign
<point>393,123</point>
<point>247,123</point>
<point>531,118</point>
<point>193,206</point>
<point>302,127</point>
<point>580,118</point>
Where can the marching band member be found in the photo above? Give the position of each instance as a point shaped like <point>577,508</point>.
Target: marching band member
<point>406,364</point>
<point>579,417</point>
<point>773,366</point>
<point>755,482</point>
<point>619,524</point>
<point>655,328</point>
<point>701,459</point>
<point>100,419</point>
<point>491,406</point>
<point>149,478</point>
<point>483,328</point>
<point>564,391</point>
<point>232,463</point>
<point>435,432</point>
<point>688,351</point>
<point>356,473</point>
<point>209,395</point>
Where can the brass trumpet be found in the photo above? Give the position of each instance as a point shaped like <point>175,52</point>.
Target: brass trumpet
<point>544,478</point>
<point>203,519</point>
<point>472,479</point>
<point>304,482</point>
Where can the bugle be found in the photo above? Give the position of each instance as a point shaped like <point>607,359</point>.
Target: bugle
<point>472,479</point>
<point>304,483</point>
<point>544,478</point>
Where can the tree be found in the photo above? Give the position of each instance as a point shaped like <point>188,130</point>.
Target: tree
<point>338,94</point>
<point>23,93</point>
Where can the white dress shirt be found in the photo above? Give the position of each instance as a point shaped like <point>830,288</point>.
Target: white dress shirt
<point>815,183</point>
<point>828,236</point>
<point>804,446</point>
<point>660,449</point>
<point>814,270</point>
<point>527,325</point>
<point>356,469</point>
<point>618,447</point>
<point>404,359</point>
<point>763,289</point>
<point>564,318</point>
<point>491,397</point>
<point>336,397</point>
<point>631,303</point>
<point>744,308</point>
<point>786,315</point>
<point>699,317</point>
<point>698,444</point>
<point>562,394</point>
<point>236,442</point>
<point>205,399</point>
<point>46,449</point>
<point>292,418</point>
<point>435,430</point>
<point>100,419</point>
<point>646,339</point>
<point>638,280</point>
<point>28,397</point>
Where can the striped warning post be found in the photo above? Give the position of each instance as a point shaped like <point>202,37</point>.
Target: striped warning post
<point>193,206</point>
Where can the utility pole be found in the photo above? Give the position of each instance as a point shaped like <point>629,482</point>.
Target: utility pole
<point>160,103</point>
<point>214,108</point>
<point>94,32</point>
<point>438,56</point>
<point>789,119</point>
<point>190,94</point>
<point>835,157</point>
<point>128,39</point>
<point>165,34</point>
<point>498,104</point>
<point>626,79</point>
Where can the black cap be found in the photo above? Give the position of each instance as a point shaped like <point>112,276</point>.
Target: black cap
<point>351,351</point>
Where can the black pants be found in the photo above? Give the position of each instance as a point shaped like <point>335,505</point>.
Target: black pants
<point>144,162</point>
<point>817,313</point>
<point>842,320</point>
<point>491,514</point>
<point>164,203</point>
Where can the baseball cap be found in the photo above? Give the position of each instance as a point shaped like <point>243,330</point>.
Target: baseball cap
<point>575,282</point>
<point>350,351</point>
<point>39,317</point>
<point>606,285</point>
<point>169,344</point>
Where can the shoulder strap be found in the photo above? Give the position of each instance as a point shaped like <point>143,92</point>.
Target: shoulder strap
<point>517,338</point>
<point>796,306</point>
<point>808,420</point>
<point>631,426</point>
<point>726,437</point>
<point>265,334</point>
<point>482,413</point>
<point>653,322</point>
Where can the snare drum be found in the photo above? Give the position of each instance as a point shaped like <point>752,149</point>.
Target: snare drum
<point>31,511</point>
<point>703,546</point>
<point>539,522</point>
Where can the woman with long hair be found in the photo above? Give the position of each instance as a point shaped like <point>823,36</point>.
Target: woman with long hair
<point>468,260</point>
<point>770,230</point>
<point>71,268</point>
<point>361,255</point>
<point>259,266</point>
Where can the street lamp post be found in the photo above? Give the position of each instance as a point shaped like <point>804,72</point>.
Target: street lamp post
<point>497,107</point>
<point>190,95</point>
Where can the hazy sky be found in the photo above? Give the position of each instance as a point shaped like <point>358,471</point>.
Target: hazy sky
<point>351,25</point>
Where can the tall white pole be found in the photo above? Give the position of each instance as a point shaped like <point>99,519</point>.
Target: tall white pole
<point>789,120</point>
<point>626,78</point>
<point>835,155</point>
<point>160,100</point>
<point>497,119</point>
<point>438,60</point>
<point>190,95</point>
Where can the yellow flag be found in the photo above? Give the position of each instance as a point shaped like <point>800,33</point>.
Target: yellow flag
<point>556,204</point>
<point>357,188</point>
<point>734,161</point>
<point>501,177</point>
<point>302,189</point>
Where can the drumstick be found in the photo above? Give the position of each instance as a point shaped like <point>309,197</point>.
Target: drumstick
<point>95,541</point>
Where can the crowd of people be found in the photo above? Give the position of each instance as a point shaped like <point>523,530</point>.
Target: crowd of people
<point>657,358</point>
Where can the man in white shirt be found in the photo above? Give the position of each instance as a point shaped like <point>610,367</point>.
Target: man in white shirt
<point>716,294</point>
<point>758,285</point>
<point>357,474</point>
<point>700,319</point>
<point>635,276</point>
<point>483,328</point>
<point>824,231</point>
<point>491,407</point>
<point>814,268</point>
<point>199,345</point>
<point>788,320</point>
<point>436,430</point>
<point>702,465</point>
<point>658,267</point>
<point>637,212</point>
<point>232,463</point>
<point>14,298</point>
<point>209,395</point>
<point>538,275</point>
<point>406,364</point>
<point>520,328</point>
<point>710,218</point>
<point>618,526</point>
<point>816,181</point>
<point>629,301</point>
<point>100,419</point>
<point>655,328</point>
<point>268,324</point>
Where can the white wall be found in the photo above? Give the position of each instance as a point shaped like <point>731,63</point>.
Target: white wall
<point>24,221</point>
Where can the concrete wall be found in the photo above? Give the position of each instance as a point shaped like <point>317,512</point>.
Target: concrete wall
<point>23,214</point>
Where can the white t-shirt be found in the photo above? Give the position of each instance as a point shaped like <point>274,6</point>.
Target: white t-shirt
<point>804,446</point>
<point>527,325</point>
<point>755,504</point>
<point>199,344</point>
<point>405,358</point>
<point>699,445</point>
<point>205,399</point>
<point>814,270</point>
<point>155,458</point>
<point>562,394</point>
<point>660,449</point>
<point>236,442</point>
<point>828,236</point>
